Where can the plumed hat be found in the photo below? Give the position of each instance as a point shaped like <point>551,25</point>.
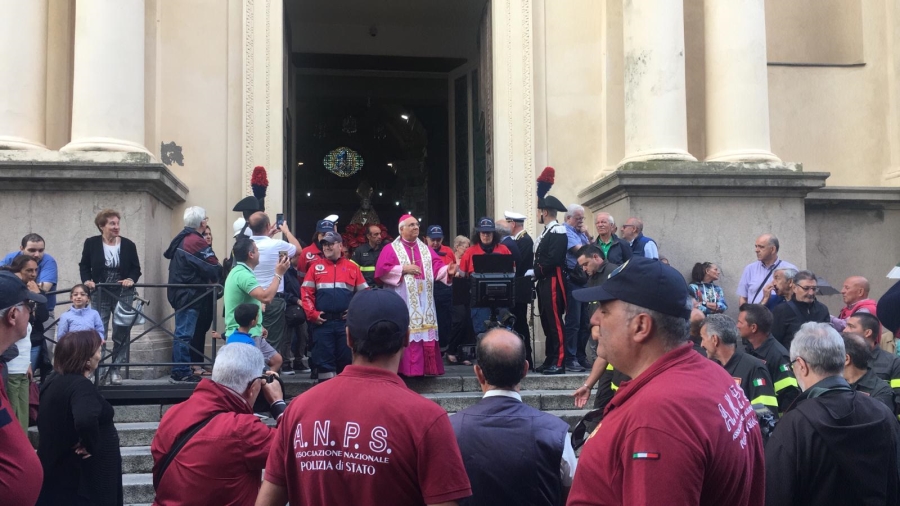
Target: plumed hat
<point>544,183</point>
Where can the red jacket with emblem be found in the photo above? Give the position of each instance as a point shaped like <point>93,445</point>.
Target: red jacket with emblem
<point>329,286</point>
<point>307,255</point>
<point>220,464</point>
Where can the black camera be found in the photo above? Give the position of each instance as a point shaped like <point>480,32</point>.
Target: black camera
<point>493,285</point>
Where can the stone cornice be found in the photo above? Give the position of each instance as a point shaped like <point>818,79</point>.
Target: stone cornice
<point>89,172</point>
<point>855,197</point>
<point>701,179</point>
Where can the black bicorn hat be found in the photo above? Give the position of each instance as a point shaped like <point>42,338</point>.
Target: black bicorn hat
<point>250,203</point>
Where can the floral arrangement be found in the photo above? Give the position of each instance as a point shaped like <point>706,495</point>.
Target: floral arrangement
<point>259,183</point>
<point>355,235</point>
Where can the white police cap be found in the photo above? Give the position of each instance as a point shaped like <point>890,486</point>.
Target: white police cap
<point>509,215</point>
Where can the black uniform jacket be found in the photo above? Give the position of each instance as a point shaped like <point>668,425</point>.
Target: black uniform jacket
<point>887,367</point>
<point>551,251</point>
<point>751,375</point>
<point>526,249</point>
<point>778,363</point>
<point>875,388</point>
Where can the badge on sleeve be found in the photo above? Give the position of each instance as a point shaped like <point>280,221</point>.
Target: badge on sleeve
<point>645,456</point>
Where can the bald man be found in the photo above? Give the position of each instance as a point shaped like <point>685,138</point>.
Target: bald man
<point>855,293</point>
<point>490,434</point>
<point>757,275</point>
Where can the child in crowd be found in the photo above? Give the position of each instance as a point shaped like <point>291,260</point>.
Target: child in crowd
<point>246,317</point>
<point>80,316</point>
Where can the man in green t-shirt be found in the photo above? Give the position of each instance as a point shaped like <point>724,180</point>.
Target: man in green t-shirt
<point>241,286</point>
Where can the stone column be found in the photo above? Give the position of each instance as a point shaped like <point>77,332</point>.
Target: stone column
<point>108,89</point>
<point>737,87</point>
<point>655,98</point>
<point>23,74</point>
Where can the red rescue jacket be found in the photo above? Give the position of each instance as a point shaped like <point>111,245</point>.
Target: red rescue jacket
<point>329,286</point>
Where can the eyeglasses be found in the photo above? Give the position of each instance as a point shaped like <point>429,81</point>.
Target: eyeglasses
<point>808,288</point>
<point>30,304</point>
<point>795,360</point>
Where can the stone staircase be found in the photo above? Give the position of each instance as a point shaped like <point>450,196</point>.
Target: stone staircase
<point>454,391</point>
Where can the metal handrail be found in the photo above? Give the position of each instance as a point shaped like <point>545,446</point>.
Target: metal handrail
<point>107,358</point>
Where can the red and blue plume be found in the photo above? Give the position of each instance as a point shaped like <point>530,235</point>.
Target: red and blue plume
<point>545,181</point>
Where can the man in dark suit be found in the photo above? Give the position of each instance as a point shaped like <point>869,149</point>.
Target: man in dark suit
<point>491,432</point>
<point>524,267</point>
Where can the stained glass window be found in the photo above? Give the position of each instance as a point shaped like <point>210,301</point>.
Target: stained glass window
<point>343,162</point>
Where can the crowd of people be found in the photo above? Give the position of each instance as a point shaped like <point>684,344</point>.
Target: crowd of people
<point>785,404</point>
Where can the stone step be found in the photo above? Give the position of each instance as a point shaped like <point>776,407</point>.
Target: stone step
<point>296,384</point>
<point>136,460</point>
<point>448,384</point>
<point>138,488</point>
<point>545,400</point>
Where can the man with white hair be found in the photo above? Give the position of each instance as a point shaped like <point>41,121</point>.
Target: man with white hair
<point>833,445</point>
<point>719,336</point>
<point>223,445</point>
<point>614,250</point>
<point>191,262</point>
<point>409,268</point>
<point>577,327</point>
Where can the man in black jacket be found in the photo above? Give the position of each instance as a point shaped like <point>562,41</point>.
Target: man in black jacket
<point>834,445</point>
<point>614,249</point>
<point>191,262</point>
<point>549,263</point>
<point>858,373</point>
<point>524,267</point>
<point>719,337</point>
<point>885,365</point>
<point>801,308</point>
<point>754,324</point>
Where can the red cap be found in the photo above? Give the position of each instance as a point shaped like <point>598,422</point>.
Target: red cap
<point>404,218</point>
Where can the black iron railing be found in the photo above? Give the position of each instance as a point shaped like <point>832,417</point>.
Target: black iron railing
<point>128,300</point>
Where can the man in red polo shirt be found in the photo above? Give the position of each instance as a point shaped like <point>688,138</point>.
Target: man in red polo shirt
<point>21,473</point>
<point>681,431</point>
<point>364,438</point>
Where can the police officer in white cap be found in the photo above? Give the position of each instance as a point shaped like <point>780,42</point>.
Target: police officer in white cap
<point>524,267</point>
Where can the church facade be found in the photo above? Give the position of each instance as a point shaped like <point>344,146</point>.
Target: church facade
<point>712,121</point>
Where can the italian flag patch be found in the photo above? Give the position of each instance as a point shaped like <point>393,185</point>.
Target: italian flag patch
<point>645,455</point>
<point>759,382</point>
<point>785,367</point>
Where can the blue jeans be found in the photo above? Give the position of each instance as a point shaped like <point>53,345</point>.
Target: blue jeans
<point>35,354</point>
<point>185,323</point>
<point>577,330</point>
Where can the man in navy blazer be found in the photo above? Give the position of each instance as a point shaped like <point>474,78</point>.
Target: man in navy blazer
<point>513,453</point>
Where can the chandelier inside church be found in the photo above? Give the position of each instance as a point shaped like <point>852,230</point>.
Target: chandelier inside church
<point>343,162</point>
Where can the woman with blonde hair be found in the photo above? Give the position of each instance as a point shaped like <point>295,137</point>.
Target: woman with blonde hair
<point>110,258</point>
